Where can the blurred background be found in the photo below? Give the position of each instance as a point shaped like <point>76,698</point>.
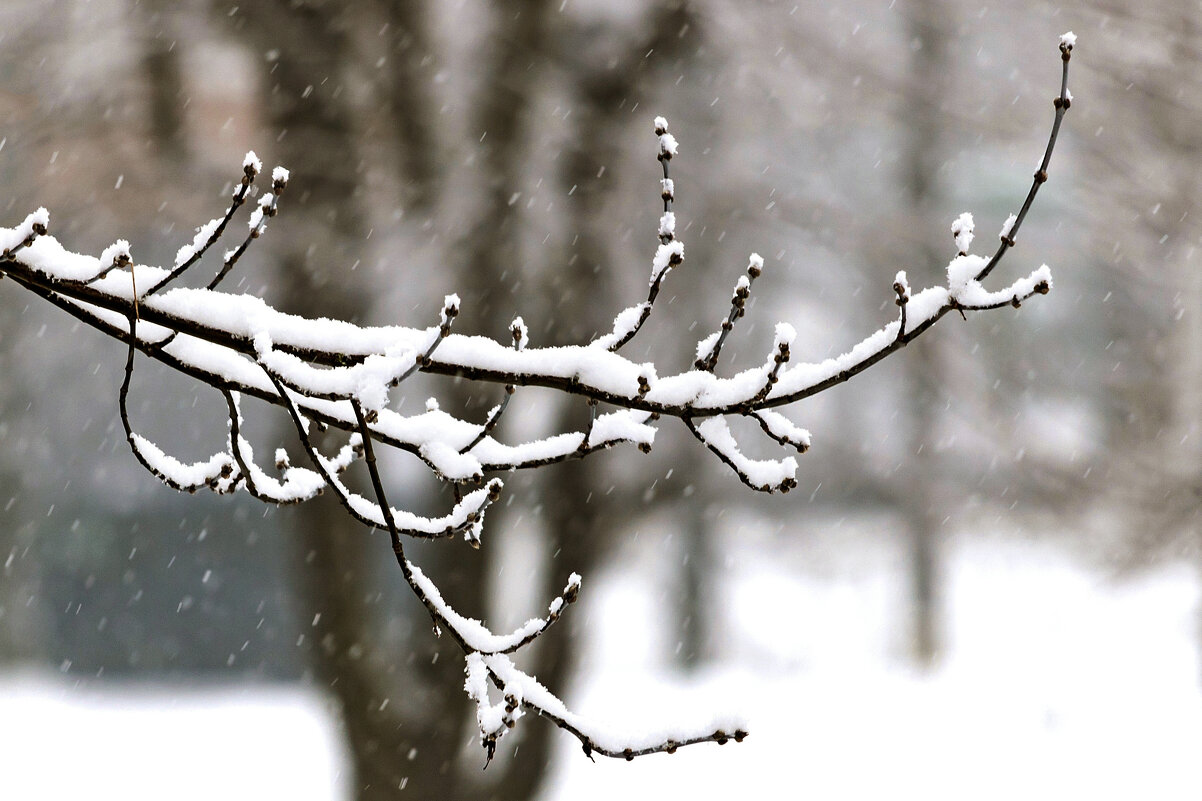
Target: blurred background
<point>988,580</point>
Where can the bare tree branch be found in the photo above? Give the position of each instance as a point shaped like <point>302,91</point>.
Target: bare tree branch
<point>333,373</point>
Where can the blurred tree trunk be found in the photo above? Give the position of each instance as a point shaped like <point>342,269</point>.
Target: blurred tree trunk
<point>25,625</point>
<point>1171,101</point>
<point>573,297</point>
<point>413,58</point>
<point>164,79</point>
<point>699,567</point>
<point>1153,308</point>
<point>403,718</point>
<point>578,302</point>
<point>921,159</point>
<point>408,724</point>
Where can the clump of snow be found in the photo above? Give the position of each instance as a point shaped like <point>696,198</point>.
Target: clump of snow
<point>783,430</point>
<point>118,251</point>
<point>667,145</point>
<point>35,219</point>
<point>621,426</point>
<point>706,346</point>
<point>252,162</point>
<point>963,269</point>
<point>667,224</point>
<point>256,223</point>
<point>493,720</point>
<point>763,473</point>
<point>962,230</point>
<point>973,295</point>
<point>194,474</point>
<point>1068,39</point>
<point>280,175</point>
<point>610,737</point>
<point>11,237</point>
<point>785,334</point>
<point>626,322</point>
<point>520,332</point>
<point>665,256</point>
<point>203,234</point>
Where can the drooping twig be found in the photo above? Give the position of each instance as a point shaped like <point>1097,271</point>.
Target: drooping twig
<point>773,475</point>
<point>216,473</point>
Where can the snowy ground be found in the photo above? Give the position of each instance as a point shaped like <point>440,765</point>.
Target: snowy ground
<point>1058,683</point>
<point>141,743</point>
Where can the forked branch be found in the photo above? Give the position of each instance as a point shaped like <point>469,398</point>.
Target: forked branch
<point>331,374</point>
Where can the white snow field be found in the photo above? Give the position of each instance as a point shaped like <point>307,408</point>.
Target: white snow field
<point>140,743</point>
<point>1058,682</point>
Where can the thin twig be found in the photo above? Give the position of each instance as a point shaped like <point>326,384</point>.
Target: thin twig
<point>1061,103</point>
<point>249,171</point>
<point>738,307</point>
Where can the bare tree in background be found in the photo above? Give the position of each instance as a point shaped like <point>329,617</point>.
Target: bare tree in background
<point>922,150</point>
<point>304,52</point>
<point>436,724</point>
<point>1152,304</point>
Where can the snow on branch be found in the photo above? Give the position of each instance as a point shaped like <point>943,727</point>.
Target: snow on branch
<point>668,255</point>
<point>709,348</point>
<point>332,374</point>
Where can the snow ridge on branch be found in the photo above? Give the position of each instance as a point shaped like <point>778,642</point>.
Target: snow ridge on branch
<point>333,374</point>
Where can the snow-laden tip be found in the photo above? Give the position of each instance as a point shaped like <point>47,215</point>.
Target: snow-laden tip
<point>252,162</point>
<point>665,256</point>
<point>1068,39</point>
<point>962,230</point>
<point>667,144</point>
<point>118,251</point>
<point>41,218</point>
<point>280,175</point>
<point>521,333</point>
<point>29,227</point>
<point>661,124</point>
<point>962,270</point>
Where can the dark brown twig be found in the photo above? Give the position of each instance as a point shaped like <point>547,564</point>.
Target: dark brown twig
<point>1061,103</point>
<point>250,170</point>
<point>670,255</point>
<point>738,307</point>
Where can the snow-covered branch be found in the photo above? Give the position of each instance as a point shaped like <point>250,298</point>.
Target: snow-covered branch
<point>329,373</point>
